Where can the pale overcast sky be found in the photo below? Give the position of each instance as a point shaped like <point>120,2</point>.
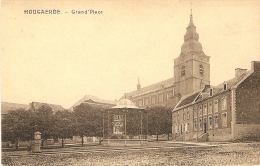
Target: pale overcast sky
<point>60,58</point>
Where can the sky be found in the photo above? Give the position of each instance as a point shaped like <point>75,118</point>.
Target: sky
<point>58,59</point>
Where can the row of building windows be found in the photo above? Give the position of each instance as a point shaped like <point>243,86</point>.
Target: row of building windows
<point>208,109</point>
<point>211,121</point>
<point>185,115</point>
<point>154,99</point>
<point>202,110</point>
<point>185,127</point>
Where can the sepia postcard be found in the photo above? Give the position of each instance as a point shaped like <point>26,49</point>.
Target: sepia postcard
<point>131,82</point>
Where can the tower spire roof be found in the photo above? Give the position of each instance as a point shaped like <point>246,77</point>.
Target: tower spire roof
<point>191,19</point>
<point>191,38</point>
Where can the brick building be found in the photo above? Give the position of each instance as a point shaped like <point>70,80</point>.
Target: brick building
<point>191,73</point>
<point>229,111</point>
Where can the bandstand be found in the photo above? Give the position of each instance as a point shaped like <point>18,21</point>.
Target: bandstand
<point>127,125</point>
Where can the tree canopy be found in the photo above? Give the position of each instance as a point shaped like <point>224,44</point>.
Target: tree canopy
<point>85,120</point>
<point>159,120</point>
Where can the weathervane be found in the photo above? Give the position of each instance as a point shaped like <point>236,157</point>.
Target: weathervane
<point>191,9</point>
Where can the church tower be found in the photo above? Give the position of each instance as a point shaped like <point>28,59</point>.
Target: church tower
<point>191,68</point>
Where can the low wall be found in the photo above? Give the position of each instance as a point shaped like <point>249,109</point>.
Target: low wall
<point>66,141</point>
<point>48,142</point>
<point>187,136</point>
<point>219,135</point>
<point>204,137</point>
<point>78,139</point>
<point>247,132</point>
<point>24,143</point>
<point>8,144</point>
<point>125,142</point>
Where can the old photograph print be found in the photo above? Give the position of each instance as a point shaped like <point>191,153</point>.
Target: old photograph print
<point>174,82</point>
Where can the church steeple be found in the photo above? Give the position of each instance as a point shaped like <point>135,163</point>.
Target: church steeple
<point>138,85</point>
<point>191,68</point>
<point>191,38</point>
<point>191,19</point>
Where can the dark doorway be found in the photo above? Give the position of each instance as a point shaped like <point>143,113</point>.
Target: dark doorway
<point>205,127</point>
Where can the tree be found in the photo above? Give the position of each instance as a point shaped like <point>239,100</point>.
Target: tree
<point>16,125</point>
<point>22,124</point>
<point>64,124</point>
<point>136,121</point>
<point>42,120</point>
<point>159,120</point>
<point>88,120</point>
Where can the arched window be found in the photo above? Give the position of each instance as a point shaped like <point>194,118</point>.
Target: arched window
<point>117,127</point>
<point>211,92</point>
<point>117,117</point>
<point>201,69</point>
<point>225,86</point>
<point>182,71</point>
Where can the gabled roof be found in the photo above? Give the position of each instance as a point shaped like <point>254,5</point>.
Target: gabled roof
<point>6,107</point>
<point>150,88</point>
<point>91,102</point>
<point>89,98</point>
<point>188,99</point>
<point>230,83</point>
<point>200,96</point>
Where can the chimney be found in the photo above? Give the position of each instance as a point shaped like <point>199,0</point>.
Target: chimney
<point>255,66</point>
<point>239,72</point>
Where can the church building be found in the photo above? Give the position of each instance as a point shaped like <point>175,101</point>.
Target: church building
<point>191,73</point>
<point>202,112</point>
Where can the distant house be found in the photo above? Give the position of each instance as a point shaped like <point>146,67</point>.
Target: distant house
<point>37,105</point>
<point>6,107</point>
<point>229,111</point>
<point>94,101</point>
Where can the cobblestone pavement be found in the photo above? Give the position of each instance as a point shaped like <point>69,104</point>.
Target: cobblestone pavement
<point>173,154</point>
